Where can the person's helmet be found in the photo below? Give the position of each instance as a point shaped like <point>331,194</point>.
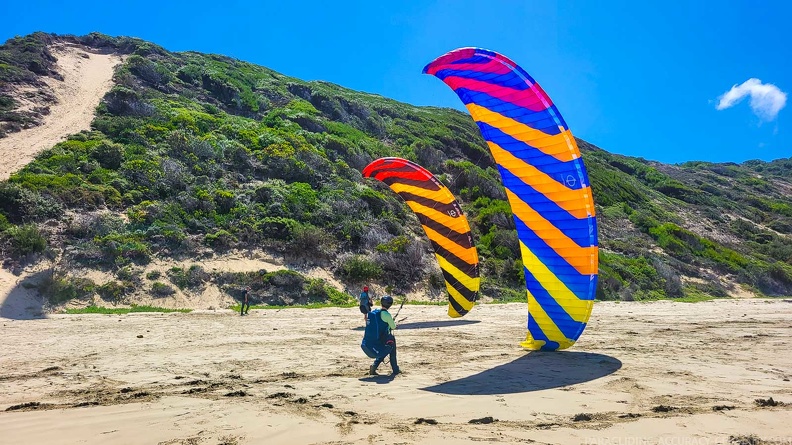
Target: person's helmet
<point>386,301</point>
<point>365,288</point>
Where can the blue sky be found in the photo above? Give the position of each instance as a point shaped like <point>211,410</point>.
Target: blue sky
<point>635,78</point>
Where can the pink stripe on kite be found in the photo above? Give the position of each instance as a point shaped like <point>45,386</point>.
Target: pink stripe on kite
<point>541,93</point>
<point>529,98</point>
<point>491,67</point>
<point>438,63</point>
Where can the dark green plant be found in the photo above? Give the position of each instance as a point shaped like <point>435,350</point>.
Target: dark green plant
<point>160,289</point>
<point>359,268</point>
<point>59,288</point>
<point>25,240</point>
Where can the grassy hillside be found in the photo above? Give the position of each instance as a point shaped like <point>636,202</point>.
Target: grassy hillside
<point>194,154</point>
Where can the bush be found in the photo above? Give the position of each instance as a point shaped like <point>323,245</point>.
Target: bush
<point>160,289</point>
<point>91,225</point>
<point>339,298</point>
<point>398,244</point>
<point>193,277</point>
<point>403,267</point>
<point>313,242</point>
<point>277,227</point>
<point>220,240</point>
<point>60,288</point>
<point>318,290</point>
<point>21,205</point>
<point>224,200</point>
<point>25,240</point>
<point>109,155</point>
<point>153,275</point>
<point>358,268</point>
<point>120,249</point>
<point>112,290</point>
<point>128,273</point>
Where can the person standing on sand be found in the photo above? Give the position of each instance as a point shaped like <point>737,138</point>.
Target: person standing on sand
<point>378,340</point>
<point>365,303</point>
<point>245,304</point>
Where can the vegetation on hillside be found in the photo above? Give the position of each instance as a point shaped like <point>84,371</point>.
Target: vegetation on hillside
<point>194,154</point>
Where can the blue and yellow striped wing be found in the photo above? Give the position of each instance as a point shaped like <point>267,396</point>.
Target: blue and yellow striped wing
<point>546,184</point>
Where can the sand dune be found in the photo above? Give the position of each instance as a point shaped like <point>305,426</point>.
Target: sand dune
<point>87,77</point>
<point>643,373</point>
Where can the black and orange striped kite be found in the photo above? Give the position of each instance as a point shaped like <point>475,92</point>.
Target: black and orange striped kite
<point>444,224</point>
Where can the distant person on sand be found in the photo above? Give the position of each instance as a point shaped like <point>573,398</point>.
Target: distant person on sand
<point>365,303</point>
<point>378,340</point>
<point>245,304</point>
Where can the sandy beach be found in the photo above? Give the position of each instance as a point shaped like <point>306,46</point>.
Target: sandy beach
<point>642,373</point>
<point>87,77</point>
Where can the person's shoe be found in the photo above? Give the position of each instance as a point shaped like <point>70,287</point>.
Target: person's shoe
<point>395,372</point>
<point>373,370</point>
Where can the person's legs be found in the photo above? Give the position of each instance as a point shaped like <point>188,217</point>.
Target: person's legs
<point>378,353</point>
<point>364,310</point>
<point>373,367</point>
<point>391,353</point>
<point>385,351</point>
<point>393,363</point>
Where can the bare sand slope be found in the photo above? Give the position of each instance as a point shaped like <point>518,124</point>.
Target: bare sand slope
<point>87,77</point>
<point>643,373</point>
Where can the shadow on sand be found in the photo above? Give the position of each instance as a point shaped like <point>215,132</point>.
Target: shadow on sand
<point>378,379</point>
<point>435,324</point>
<point>23,301</point>
<point>533,372</point>
<point>427,324</point>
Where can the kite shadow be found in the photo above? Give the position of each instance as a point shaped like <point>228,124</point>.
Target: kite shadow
<point>533,372</point>
<point>435,324</point>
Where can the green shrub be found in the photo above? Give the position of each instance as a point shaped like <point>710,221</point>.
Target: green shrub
<point>112,290</point>
<point>224,200</point>
<point>277,227</point>
<point>221,239</point>
<point>109,155</point>
<point>121,248</point>
<point>339,298</point>
<point>60,288</point>
<point>193,277</point>
<point>153,275</point>
<point>160,289</point>
<point>395,245</point>
<point>22,205</point>
<point>313,242</point>
<point>25,240</point>
<point>315,288</point>
<point>4,224</point>
<point>359,268</point>
<point>127,273</point>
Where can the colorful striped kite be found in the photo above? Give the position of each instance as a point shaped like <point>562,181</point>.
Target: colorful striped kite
<point>546,184</point>
<point>444,224</point>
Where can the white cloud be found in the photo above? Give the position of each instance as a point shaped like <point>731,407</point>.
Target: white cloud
<point>766,99</point>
